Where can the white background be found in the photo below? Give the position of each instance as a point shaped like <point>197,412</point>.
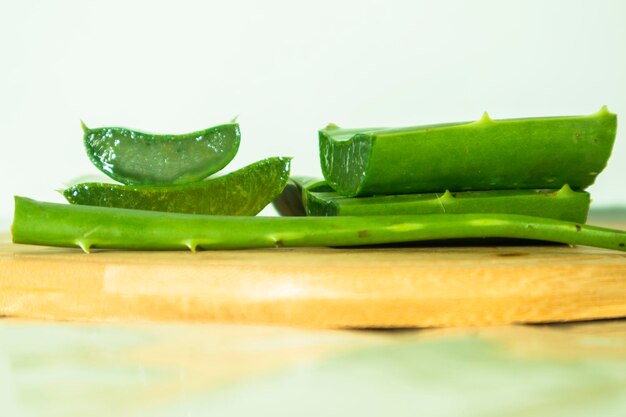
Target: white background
<point>287,68</point>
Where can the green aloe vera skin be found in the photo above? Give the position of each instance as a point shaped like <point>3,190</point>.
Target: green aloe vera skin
<point>244,192</point>
<point>100,227</point>
<point>564,204</point>
<point>138,158</point>
<point>533,153</point>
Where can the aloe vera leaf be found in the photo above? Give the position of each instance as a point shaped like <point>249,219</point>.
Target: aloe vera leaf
<point>289,202</point>
<point>535,153</point>
<point>241,193</point>
<point>138,158</point>
<point>89,227</point>
<point>319,199</point>
<point>292,201</point>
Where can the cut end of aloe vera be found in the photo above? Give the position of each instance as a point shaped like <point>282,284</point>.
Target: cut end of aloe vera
<point>337,150</point>
<point>138,158</point>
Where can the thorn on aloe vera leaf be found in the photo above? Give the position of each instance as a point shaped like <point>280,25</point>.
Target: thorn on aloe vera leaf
<point>447,195</point>
<point>604,110</point>
<point>84,245</point>
<point>277,241</point>
<point>234,119</point>
<point>565,190</point>
<point>485,118</point>
<point>83,126</point>
<point>192,246</point>
<point>331,126</point>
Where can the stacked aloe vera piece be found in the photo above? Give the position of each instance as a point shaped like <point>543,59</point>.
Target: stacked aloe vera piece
<point>168,173</point>
<point>536,167</point>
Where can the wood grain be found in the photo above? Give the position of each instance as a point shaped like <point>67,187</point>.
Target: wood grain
<point>423,286</point>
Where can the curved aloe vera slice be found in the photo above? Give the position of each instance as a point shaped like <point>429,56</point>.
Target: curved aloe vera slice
<point>132,157</point>
<point>319,199</point>
<point>538,153</point>
<point>100,227</point>
<point>241,193</point>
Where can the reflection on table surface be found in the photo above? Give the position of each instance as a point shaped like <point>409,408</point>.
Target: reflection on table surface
<point>66,369</point>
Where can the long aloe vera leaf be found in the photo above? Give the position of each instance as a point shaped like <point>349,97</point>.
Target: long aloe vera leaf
<point>535,153</point>
<point>89,227</point>
<point>240,193</point>
<point>319,199</point>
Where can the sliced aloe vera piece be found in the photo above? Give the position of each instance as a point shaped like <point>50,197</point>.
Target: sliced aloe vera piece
<point>138,158</point>
<point>241,193</point>
<point>319,199</point>
<point>536,153</point>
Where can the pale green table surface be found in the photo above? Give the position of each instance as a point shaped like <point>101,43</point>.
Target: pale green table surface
<point>74,369</point>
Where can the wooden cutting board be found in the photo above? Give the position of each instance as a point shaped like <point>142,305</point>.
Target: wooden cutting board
<point>421,286</point>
